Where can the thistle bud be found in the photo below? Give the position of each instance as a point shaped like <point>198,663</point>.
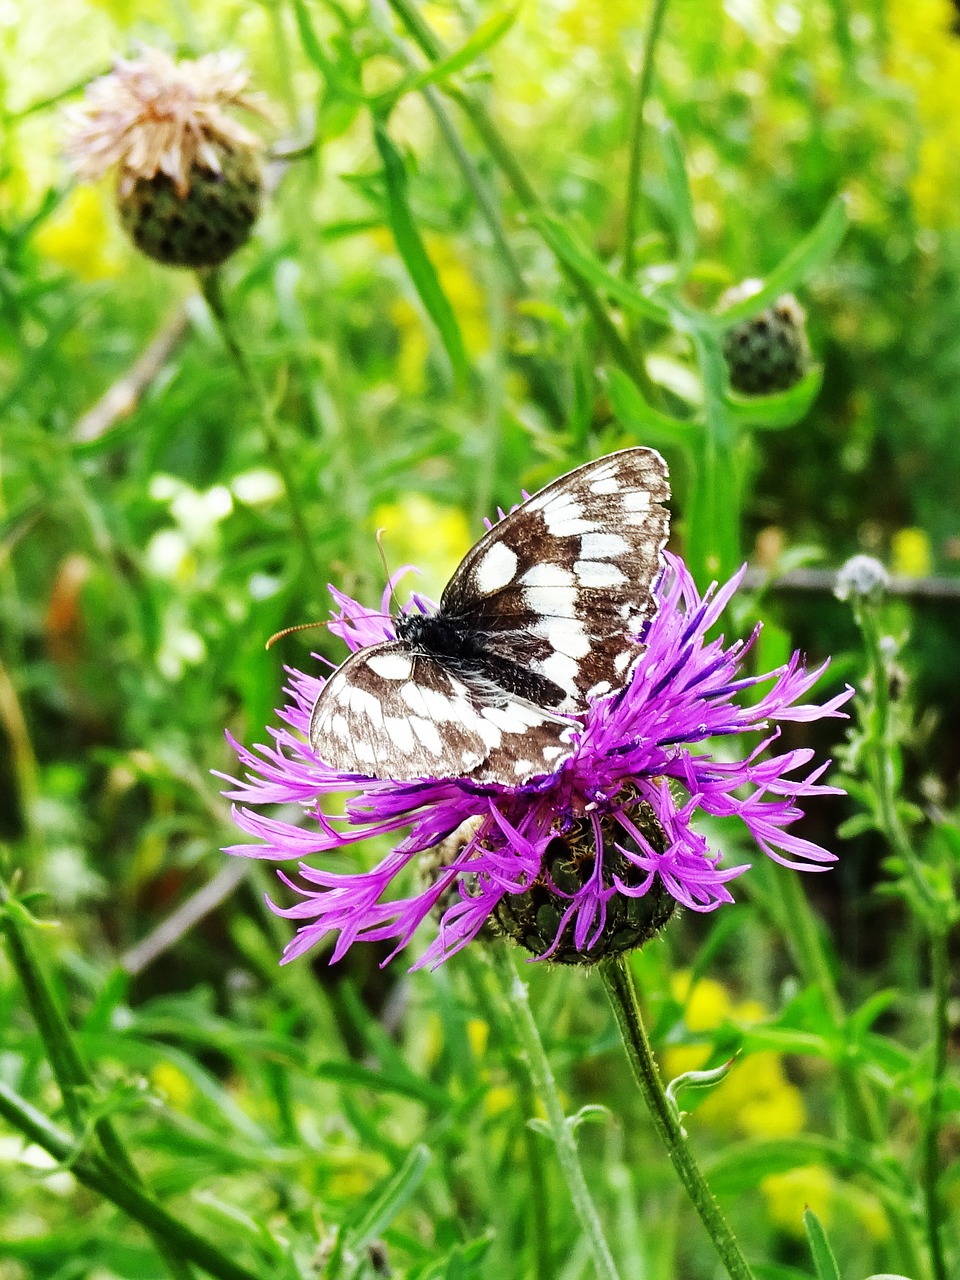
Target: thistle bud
<point>768,352</point>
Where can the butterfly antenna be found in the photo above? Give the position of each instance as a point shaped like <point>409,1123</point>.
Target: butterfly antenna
<point>383,561</point>
<point>303,626</point>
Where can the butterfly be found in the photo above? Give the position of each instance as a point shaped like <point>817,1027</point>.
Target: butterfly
<point>546,612</point>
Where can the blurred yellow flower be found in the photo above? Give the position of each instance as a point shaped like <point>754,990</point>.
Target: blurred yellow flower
<point>910,553</point>
<point>170,1081</point>
<point>816,1187</point>
<point>420,531</point>
<point>80,237</point>
<point>465,297</point>
<point>478,1033</point>
<point>788,1194</point>
<point>350,1183</point>
<point>498,1100</point>
<point>756,1098</point>
<point>925,54</point>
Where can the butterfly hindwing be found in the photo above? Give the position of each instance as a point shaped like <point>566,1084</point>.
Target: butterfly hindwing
<point>388,712</point>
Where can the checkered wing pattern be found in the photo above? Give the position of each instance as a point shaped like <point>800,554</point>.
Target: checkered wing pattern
<point>546,611</point>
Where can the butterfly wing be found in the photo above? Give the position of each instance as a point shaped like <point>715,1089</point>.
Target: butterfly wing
<point>564,584</point>
<point>392,712</point>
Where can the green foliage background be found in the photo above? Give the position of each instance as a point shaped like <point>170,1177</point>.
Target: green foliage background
<point>439,323</point>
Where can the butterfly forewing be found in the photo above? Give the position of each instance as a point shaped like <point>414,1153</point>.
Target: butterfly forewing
<point>566,580</point>
<point>545,611</point>
<point>388,712</point>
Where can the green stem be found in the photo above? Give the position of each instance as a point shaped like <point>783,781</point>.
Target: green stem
<point>940,963</point>
<point>797,920</point>
<point>493,1010</point>
<point>880,758</point>
<point>515,174</point>
<point>635,167</point>
<point>73,1079</point>
<point>212,290</point>
<point>623,997</point>
<point>881,772</point>
<point>179,1240</point>
<point>545,1089</point>
<point>811,959</point>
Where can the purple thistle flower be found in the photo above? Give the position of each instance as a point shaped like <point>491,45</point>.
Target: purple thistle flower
<point>608,839</point>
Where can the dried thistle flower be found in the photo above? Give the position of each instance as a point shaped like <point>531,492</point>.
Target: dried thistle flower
<point>188,174</point>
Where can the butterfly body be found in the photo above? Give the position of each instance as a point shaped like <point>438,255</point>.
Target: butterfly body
<point>546,612</point>
<point>477,657</point>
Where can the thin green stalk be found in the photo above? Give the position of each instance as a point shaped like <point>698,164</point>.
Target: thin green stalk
<point>618,981</point>
<point>545,1089</point>
<point>73,1079</point>
<point>880,761</point>
<point>805,941</point>
<point>212,290</point>
<point>637,131</point>
<point>811,959</point>
<point>940,963</point>
<point>516,176</point>
<point>880,769</point>
<point>179,1240</point>
<point>493,1011</point>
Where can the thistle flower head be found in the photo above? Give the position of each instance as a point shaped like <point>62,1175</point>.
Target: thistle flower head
<point>152,115</point>
<point>188,177</point>
<point>605,845</point>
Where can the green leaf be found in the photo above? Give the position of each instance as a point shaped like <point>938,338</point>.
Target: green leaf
<point>412,250</point>
<point>330,68</point>
<point>742,1165</point>
<point>408,1086</point>
<point>380,1209</point>
<point>813,251</point>
<point>823,1259</point>
<point>782,409</point>
<point>697,1080</point>
<point>485,36</point>
<point>653,427</point>
<point>587,265</point>
<point>681,206</point>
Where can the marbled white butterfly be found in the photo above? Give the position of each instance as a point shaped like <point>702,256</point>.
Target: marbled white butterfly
<point>546,611</point>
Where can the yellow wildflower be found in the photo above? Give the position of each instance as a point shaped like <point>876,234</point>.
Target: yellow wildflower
<point>925,54</point>
<point>170,1081</point>
<point>79,236</point>
<point>465,297</point>
<point>816,1187</point>
<point>910,553</point>
<point>418,530</point>
<point>756,1098</point>
<point>789,1194</point>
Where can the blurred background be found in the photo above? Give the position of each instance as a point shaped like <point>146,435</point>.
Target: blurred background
<point>146,554</point>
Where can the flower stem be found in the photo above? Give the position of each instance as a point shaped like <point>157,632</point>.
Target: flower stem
<point>635,168</point>
<point>545,1089</point>
<point>494,1012</point>
<point>212,290</point>
<point>623,997</point>
<point>796,918</point>
<point>180,1242</point>
<point>940,963</point>
<point>811,959</point>
<point>72,1077</point>
<point>881,770</point>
